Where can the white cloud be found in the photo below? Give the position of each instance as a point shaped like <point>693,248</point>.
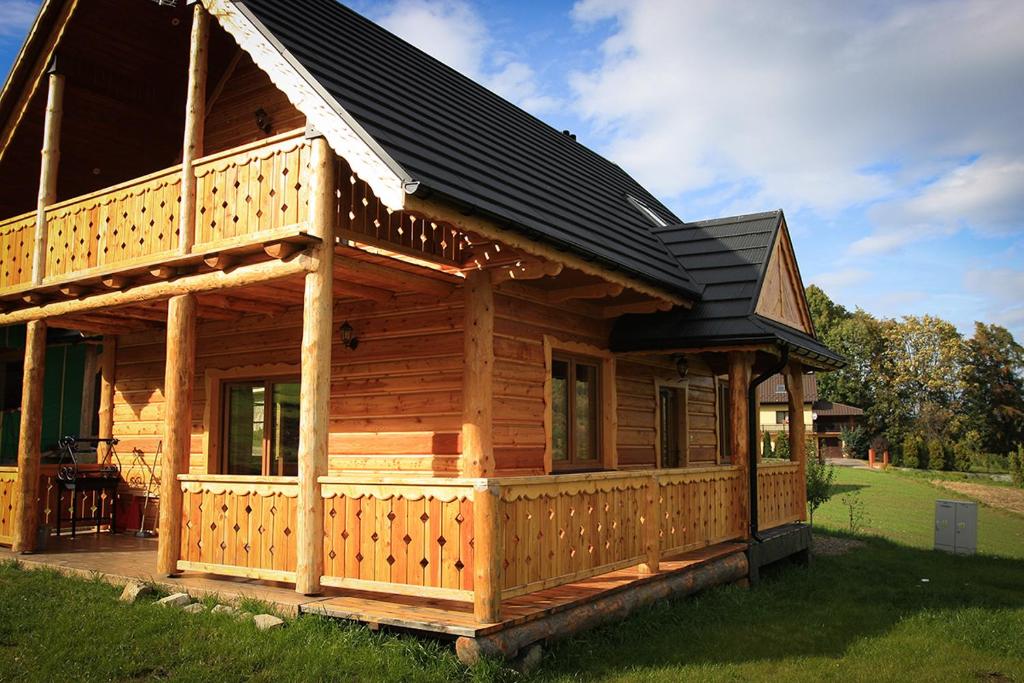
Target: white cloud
<point>1001,291</point>
<point>817,106</point>
<point>840,279</point>
<point>453,32</point>
<point>16,16</point>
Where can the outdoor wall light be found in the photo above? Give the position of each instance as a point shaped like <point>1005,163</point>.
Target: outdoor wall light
<point>348,337</point>
<point>682,367</point>
<point>263,121</point>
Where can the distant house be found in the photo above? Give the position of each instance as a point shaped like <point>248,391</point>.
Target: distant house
<point>824,420</point>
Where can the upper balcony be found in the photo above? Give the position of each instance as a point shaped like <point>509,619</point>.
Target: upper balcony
<point>246,197</point>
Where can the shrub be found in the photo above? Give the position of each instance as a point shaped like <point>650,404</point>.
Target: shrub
<point>936,455</point>
<point>965,451</point>
<point>855,442</point>
<point>912,448</point>
<point>856,512</point>
<point>811,446</point>
<point>782,446</point>
<point>1017,466</point>
<point>820,478</point>
<point>766,445</point>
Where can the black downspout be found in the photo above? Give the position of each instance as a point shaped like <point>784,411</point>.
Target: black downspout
<point>752,437</point>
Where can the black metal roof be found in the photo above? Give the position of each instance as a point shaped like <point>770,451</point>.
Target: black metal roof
<point>463,142</point>
<point>729,257</point>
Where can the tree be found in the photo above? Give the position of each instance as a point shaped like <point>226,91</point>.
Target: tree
<point>782,446</point>
<point>820,477</point>
<point>993,380</point>
<point>912,450</point>
<point>965,451</point>
<point>1017,466</point>
<point>766,445</point>
<point>936,455</point>
<point>855,442</point>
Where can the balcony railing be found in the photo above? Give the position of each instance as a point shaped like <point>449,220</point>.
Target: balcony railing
<point>248,195</point>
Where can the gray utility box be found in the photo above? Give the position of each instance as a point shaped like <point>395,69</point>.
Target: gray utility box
<point>956,526</point>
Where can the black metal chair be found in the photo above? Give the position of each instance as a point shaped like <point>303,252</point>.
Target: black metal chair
<point>102,483</point>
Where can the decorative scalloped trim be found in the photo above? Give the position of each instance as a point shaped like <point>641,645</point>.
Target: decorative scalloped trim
<point>355,494</point>
<point>239,489</point>
<point>322,112</point>
<point>513,494</point>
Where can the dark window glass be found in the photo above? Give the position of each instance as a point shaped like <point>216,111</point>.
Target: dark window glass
<point>724,424</point>
<point>575,413</point>
<point>261,439</point>
<point>559,410</point>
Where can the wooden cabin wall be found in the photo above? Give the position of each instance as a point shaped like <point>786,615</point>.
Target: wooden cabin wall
<point>231,117</point>
<point>519,438</point>
<point>396,401</point>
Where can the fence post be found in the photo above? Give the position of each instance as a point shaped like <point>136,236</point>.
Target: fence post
<point>652,526</point>
<point>488,553</point>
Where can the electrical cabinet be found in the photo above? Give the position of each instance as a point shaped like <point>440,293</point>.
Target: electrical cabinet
<point>956,526</point>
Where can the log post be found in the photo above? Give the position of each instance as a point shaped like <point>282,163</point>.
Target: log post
<point>48,170</point>
<point>797,429</point>
<point>26,511</point>
<point>195,117</point>
<point>178,378</point>
<point>315,390</point>
<point>478,376</point>
<point>488,555</point>
<point>108,365</point>
<point>652,527</point>
<point>740,364</point>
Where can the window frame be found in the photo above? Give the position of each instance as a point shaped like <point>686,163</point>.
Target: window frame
<point>216,379</point>
<point>269,431</point>
<point>723,427</point>
<point>605,403</point>
<point>781,417</point>
<point>573,463</point>
<point>682,390</point>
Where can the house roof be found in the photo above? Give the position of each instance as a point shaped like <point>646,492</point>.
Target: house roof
<point>831,409</point>
<point>454,138</point>
<point>729,257</point>
<point>773,389</point>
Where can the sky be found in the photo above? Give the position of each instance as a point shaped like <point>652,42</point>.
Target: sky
<point>891,134</point>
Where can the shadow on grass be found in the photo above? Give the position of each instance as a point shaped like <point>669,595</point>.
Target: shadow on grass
<point>846,488</point>
<point>796,612</point>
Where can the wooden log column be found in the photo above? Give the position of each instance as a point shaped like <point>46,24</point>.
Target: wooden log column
<point>108,365</point>
<point>26,511</point>
<point>315,390</point>
<point>478,377</point>
<point>178,379</point>
<point>488,553</point>
<point>195,117</point>
<point>652,527</point>
<point>797,428</point>
<point>740,365</point>
<point>48,170</point>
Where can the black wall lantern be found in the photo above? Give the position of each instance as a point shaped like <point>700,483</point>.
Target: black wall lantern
<point>682,367</point>
<point>348,336</point>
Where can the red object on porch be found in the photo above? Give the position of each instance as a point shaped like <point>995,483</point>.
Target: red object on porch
<point>129,512</point>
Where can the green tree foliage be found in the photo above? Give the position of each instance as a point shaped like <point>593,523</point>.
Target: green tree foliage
<point>856,442</point>
<point>766,445</point>
<point>936,455</point>
<point>966,450</point>
<point>993,381</point>
<point>820,478</point>
<point>1017,466</point>
<point>782,446</point>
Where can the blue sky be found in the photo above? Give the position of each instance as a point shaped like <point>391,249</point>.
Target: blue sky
<point>892,134</point>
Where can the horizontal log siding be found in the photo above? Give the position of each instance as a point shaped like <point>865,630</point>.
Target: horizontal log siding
<point>396,401</point>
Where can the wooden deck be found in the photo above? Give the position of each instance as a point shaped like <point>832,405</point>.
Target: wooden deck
<point>122,558</point>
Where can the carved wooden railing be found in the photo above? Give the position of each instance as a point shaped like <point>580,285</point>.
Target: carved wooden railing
<point>17,241</point>
<point>8,494</point>
<point>239,526</point>
<point>780,494</point>
<point>260,191</point>
<point>700,507</point>
<point>117,227</point>
<point>252,194</point>
<point>399,535</point>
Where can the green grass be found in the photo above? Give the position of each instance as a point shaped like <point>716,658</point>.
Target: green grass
<point>901,507</point>
<point>867,615</point>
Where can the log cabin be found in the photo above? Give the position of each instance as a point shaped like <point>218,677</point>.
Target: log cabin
<point>375,328</point>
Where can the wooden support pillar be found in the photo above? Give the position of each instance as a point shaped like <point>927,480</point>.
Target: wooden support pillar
<point>315,390</point>
<point>108,365</point>
<point>797,428</point>
<point>740,365</point>
<point>652,527</point>
<point>26,511</point>
<point>478,377</point>
<point>488,552</point>
<point>179,375</point>
<point>195,118</point>
<point>48,170</point>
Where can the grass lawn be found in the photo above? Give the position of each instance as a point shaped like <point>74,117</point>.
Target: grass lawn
<point>865,615</point>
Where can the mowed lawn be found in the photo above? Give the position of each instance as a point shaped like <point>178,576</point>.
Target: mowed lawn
<point>885,611</point>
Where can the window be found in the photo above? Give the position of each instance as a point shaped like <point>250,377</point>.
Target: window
<point>781,417</point>
<point>261,428</point>
<point>672,405</point>
<point>575,419</point>
<point>724,423</point>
